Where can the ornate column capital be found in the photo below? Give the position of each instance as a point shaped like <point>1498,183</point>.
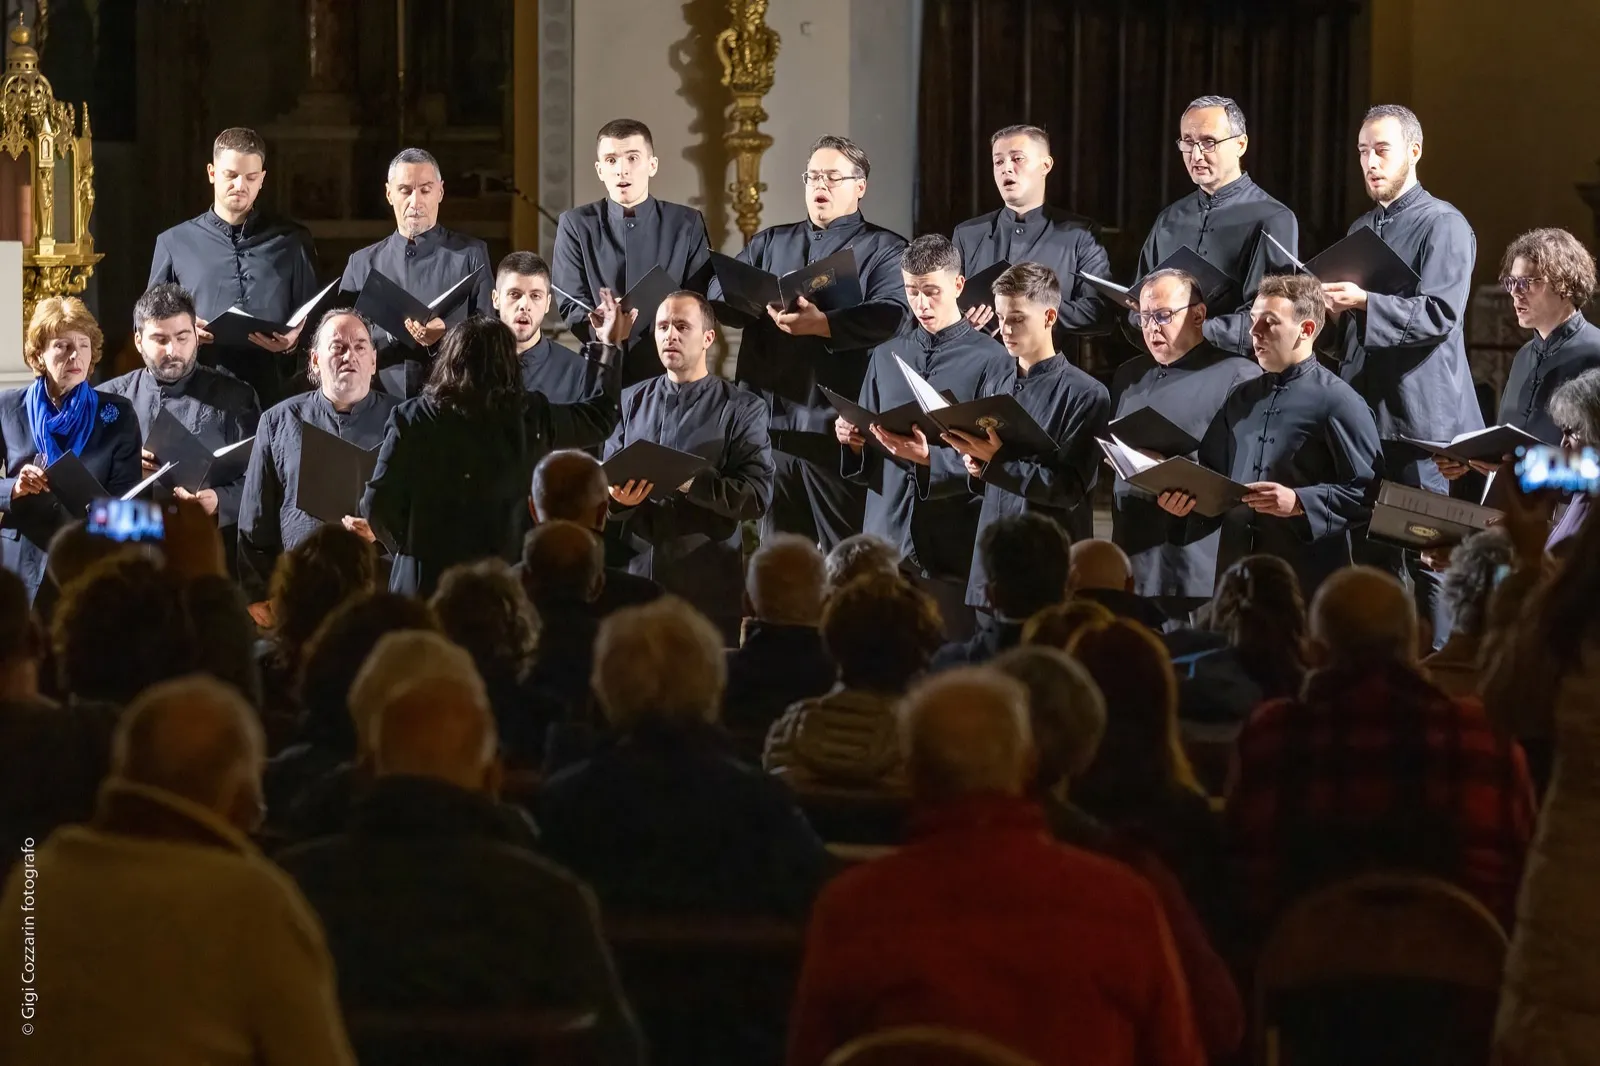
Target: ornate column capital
<point>749,51</point>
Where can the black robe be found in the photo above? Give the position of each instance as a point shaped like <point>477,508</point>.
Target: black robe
<point>690,541</point>
<point>451,484</point>
<point>601,246</point>
<point>1228,231</point>
<point>1058,239</point>
<point>266,266</point>
<point>214,406</point>
<point>1306,429</point>
<point>425,267</point>
<point>1073,408</point>
<point>1541,367</point>
<point>270,519</point>
<point>809,496</point>
<point>1406,355</point>
<point>1189,393</point>
<point>928,512</point>
<point>562,374</point>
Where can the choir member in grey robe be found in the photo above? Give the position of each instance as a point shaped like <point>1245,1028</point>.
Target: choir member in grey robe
<point>1300,439</point>
<point>687,536</point>
<point>215,406</point>
<point>522,299</point>
<point>425,259</point>
<point>613,243</point>
<point>235,254</point>
<point>342,365</point>
<point>1186,380</point>
<point>784,357</point>
<point>1226,219</point>
<point>1067,403</point>
<point>918,498</point>
<point>1028,230</point>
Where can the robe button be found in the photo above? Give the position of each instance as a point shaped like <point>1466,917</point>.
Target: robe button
<point>1019,231</point>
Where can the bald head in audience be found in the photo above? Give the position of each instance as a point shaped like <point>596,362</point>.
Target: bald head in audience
<point>198,739</point>
<point>398,661</point>
<point>563,561</point>
<point>570,485</point>
<point>440,728</point>
<point>966,731</point>
<point>1363,617</point>
<point>785,580</point>
<point>1099,564</point>
<point>857,556</point>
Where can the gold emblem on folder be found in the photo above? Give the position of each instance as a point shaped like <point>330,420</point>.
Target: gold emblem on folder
<point>1423,532</point>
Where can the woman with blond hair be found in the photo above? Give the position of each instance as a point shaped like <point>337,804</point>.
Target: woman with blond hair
<point>60,413</point>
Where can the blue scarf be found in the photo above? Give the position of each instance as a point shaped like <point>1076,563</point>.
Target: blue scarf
<point>56,432</point>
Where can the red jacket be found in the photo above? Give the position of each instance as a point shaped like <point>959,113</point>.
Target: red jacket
<point>984,923</point>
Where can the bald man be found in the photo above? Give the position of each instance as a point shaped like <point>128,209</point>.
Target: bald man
<point>428,851</point>
<point>571,485</point>
<point>1034,944</point>
<point>781,659</point>
<point>1373,766</point>
<point>203,947</point>
<point>1100,571</point>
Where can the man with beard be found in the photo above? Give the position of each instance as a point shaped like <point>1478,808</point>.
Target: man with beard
<point>613,243</point>
<point>784,356</point>
<point>687,536</point>
<point>1226,219</point>
<point>1405,354</point>
<point>234,254</point>
<point>215,406</point>
<point>423,258</point>
<point>341,365</point>
<point>522,297</point>
<point>1028,230</point>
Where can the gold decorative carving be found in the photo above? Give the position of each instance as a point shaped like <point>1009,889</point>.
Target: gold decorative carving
<point>35,123</point>
<point>749,52</point>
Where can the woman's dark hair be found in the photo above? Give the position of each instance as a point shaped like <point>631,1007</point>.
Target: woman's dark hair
<point>482,607</point>
<point>310,580</point>
<point>334,656</point>
<point>476,367</point>
<point>1259,609</point>
<point>882,631</point>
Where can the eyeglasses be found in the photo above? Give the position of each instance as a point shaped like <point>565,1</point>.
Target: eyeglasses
<point>810,178</point>
<point>1162,317</point>
<point>1517,286</point>
<point>1571,437</point>
<point>1206,145</point>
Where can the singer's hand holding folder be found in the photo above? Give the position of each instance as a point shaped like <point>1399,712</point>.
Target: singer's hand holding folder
<point>383,301</point>
<point>194,466</point>
<point>1417,518</point>
<point>897,420</point>
<point>1214,494</point>
<point>1490,445</point>
<point>1017,430</point>
<point>832,284</point>
<point>234,326</point>
<point>666,469</point>
<point>75,488</point>
<point>333,474</point>
<point>1362,259</point>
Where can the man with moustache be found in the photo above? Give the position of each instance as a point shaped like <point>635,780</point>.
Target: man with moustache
<point>1226,219</point>
<point>1028,230</point>
<point>918,498</point>
<point>1406,354</point>
<point>423,258</point>
<point>341,365</point>
<point>613,243</point>
<point>235,254</point>
<point>784,356</point>
<point>1186,380</point>
<point>521,297</point>
<point>213,405</point>
<point>687,537</point>
<point>1298,438</point>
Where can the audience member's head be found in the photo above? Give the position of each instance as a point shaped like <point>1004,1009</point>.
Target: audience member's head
<point>121,627</point>
<point>1100,564</point>
<point>858,555</point>
<point>313,578</point>
<point>481,606</point>
<point>335,655</point>
<point>400,660</point>
<point>661,663</point>
<point>570,485</point>
<point>1141,756</point>
<point>195,738</point>
<point>73,550</point>
<point>1257,606</point>
<point>1065,708</point>
<point>784,582</point>
<point>965,732</point>
<point>1027,558</point>
<point>21,641</point>
<point>881,631</point>
<point>1055,626</point>
<point>1575,407</point>
<point>439,728</point>
<point>1362,618</point>
<point>1475,566</point>
<point>562,562</point>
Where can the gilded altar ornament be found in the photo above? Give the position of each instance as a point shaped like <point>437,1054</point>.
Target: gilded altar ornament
<point>749,52</point>
<point>61,166</point>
